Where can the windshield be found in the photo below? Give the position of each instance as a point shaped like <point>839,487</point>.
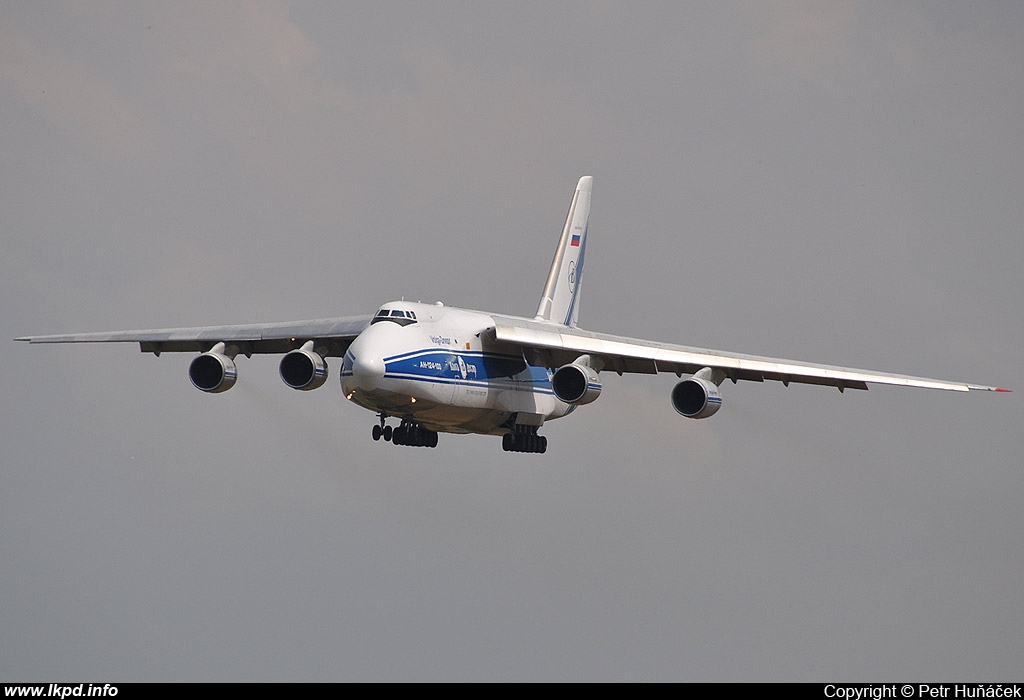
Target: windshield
<point>399,316</point>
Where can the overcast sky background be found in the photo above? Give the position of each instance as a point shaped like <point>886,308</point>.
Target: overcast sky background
<point>831,182</point>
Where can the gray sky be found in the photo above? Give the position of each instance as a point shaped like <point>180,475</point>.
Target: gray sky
<point>833,182</point>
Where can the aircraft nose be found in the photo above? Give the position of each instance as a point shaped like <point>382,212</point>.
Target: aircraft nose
<point>367,370</point>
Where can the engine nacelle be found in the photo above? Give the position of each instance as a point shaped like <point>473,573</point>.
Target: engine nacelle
<point>303,370</point>
<point>213,372</point>
<point>696,398</point>
<point>576,384</point>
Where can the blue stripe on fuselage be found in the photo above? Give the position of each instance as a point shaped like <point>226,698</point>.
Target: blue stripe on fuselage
<point>468,367</point>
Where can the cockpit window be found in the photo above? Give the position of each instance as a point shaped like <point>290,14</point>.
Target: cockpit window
<point>399,316</point>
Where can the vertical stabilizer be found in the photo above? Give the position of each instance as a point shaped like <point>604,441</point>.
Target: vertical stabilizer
<point>560,301</point>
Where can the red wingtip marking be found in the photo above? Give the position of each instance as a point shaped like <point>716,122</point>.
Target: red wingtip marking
<point>1005,391</point>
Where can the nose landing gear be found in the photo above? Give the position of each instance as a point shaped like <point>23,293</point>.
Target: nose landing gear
<point>382,432</point>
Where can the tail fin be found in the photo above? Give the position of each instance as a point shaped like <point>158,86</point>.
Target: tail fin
<point>560,301</point>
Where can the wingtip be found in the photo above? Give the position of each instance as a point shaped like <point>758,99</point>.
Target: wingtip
<point>1004,391</point>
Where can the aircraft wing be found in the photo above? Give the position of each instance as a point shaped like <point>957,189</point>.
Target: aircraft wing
<point>334,334</point>
<point>556,345</point>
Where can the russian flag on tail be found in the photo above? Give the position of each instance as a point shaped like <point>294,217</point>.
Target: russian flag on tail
<point>575,242</point>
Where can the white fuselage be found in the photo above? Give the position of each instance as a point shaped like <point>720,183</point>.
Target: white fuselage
<point>435,365</point>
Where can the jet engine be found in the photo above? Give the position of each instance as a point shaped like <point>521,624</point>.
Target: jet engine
<point>303,369</point>
<point>696,398</point>
<point>576,384</point>
<point>213,372</point>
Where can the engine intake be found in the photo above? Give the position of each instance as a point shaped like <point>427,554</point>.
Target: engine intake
<point>303,369</point>
<point>213,372</point>
<point>576,384</point>
<point>696,398</point>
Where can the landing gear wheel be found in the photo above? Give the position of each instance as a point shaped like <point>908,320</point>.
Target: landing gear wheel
<point>376,433</point>
<point>524,439</point>
<point>387,433</point>
<point>411,434</point>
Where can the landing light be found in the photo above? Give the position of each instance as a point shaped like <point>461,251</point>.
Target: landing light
<point>413,399</point>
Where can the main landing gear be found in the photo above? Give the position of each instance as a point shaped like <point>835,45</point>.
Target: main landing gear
<point>408,433</point>
<point>524,438</point>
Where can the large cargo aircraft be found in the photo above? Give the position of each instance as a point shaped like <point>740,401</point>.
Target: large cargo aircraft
<point>437,369</point>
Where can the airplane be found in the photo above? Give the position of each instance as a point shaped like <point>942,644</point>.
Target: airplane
<point>438,369</point>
